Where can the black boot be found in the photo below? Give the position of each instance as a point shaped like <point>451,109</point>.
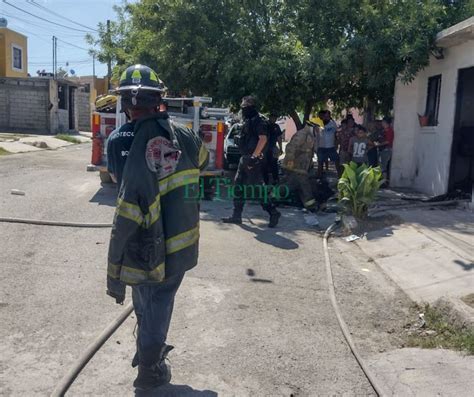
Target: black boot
<point>158,374</point>
<point>274,218</point>
<point>235,218</point>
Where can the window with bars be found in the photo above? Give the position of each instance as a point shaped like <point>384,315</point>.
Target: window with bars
<point>433,99</point>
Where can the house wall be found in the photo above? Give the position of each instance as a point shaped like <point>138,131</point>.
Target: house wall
<point>84,110</point>
<point>24,105</point>
<point>8,39</point>
<point>422,155</point>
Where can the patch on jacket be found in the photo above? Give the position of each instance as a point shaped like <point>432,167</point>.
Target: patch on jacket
<point>161,156</point>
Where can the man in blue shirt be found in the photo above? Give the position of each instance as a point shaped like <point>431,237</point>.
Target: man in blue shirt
<point>118,145</point>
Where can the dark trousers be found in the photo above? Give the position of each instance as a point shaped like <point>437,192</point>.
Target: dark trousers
<point>248,184</point>
<point>270,167</point>
<point>373,157</point>
<point>154,306</point>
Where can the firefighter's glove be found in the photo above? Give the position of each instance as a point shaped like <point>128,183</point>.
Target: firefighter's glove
<point>116,289</point>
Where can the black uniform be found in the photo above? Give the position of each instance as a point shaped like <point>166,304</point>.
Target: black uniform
<point>271,160</point>
<point>118,146</point>
<point>249,178</point>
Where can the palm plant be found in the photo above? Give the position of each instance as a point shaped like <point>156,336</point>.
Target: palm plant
<point>358,186</point>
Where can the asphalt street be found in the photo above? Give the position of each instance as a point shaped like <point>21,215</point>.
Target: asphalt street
<point>252,319</point>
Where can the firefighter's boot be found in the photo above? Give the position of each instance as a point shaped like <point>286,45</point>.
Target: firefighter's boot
<point>236,218</point>
<point>155,375</point>
<point>274,218</point>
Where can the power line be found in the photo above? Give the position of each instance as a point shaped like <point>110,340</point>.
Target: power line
<point>34,3</point>
<point>74,45</point>
<point>44,19</point>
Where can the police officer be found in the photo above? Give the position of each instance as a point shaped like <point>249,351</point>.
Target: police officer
<point>155,231</point>
<point>273,151</point>
<point>248,182</point>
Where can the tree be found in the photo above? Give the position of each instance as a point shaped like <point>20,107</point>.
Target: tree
<point>292,55</point>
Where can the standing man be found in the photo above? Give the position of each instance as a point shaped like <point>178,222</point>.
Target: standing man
<point>385,148</point>
<point>274,150</point>
<point>249,177</point>
<point>155,231</point>
<point>327,143</point>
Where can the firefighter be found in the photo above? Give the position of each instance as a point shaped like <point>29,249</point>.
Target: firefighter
<point>273,150</point>
<point>296,165</point>
<point>155,231</point>
<point>248,182</point>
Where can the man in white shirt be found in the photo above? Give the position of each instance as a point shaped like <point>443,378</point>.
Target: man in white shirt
<point>327,143</point>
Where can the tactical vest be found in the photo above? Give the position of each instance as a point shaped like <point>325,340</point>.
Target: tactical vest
<point>155,233</point>
<point>299,151</point>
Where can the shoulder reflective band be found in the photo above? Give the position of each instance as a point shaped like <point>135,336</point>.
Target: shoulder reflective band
<point>131,275</point>
<point>179,179</point>
<point>203,156</point>
<point>129,211</point>
<point>182,241</point>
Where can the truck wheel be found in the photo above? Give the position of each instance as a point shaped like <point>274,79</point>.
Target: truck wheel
<point>105,177</point>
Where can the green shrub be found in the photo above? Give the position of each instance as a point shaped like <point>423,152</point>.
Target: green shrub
<point>358,186</point>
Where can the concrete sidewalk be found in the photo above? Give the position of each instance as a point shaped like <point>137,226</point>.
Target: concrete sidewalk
<point>429,255</point>
<point>22,143</point>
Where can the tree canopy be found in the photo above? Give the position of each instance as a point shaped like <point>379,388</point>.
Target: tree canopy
<point>292,55</point>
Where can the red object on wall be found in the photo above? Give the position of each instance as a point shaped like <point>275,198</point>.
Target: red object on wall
<point>221,127</point>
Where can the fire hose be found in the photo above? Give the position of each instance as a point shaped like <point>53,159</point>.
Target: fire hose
<point>65,383</point>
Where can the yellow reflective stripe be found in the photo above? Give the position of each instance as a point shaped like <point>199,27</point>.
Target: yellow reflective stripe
<point>113,270</point>
<point>179,179</point>
<point>136,74</point>
<point>131,275</point>
<point>203,155</point>
<point>182,241</point>
<point>154,212</point>
<point>310,202</point>
<point>153,76</point>
<point>123,76</point>
<point>129,211</point>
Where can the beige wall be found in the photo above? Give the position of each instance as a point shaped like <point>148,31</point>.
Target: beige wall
<point>9,39</point>
<point>422,155</point>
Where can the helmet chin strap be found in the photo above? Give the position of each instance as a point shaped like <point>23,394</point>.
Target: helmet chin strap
<point>134,97</point>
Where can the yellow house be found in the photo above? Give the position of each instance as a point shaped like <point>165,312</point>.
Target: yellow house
<point>13,53</point>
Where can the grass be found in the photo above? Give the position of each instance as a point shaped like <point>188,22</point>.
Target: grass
<point>3,152</point>
<point>444,336</point>
<point>68,138</point>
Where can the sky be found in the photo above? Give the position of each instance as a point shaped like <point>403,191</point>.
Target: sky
<point>72,47</point>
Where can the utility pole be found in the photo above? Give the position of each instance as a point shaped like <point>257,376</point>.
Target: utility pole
<point>109,60</point>
<point>54,61</point>
<point>55,56</point>
<point>93,65</point>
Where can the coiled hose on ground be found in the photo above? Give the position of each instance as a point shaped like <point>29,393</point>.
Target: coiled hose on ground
<point>66,382</point>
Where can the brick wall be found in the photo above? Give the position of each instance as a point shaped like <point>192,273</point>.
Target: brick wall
<point>24,105</point>
<point>83,110</point>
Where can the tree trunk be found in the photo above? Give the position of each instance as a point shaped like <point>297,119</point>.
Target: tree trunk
<point>308,107</point>
<point>296,119</point>
<point>369,111</point>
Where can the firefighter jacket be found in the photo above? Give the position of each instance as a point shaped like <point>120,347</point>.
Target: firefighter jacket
<point>299,151</point>
<point>155,231</point>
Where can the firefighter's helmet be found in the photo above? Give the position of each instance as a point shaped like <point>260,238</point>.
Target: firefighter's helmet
<point>140,77</point>
<point>140,87</point>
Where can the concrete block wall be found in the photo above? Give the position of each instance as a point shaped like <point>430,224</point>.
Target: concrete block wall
<point>24,105</point>
<point>83,110</point>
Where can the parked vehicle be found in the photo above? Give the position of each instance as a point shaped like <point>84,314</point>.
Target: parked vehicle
<point>231,148</point>
<point>209,123</point>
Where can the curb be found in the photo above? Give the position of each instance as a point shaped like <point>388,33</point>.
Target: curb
<point>456,312</point>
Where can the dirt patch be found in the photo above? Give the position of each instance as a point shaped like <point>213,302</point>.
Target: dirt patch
<point>468,300</point>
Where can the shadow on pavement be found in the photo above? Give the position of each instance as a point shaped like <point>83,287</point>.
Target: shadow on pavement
<point>106,195</point>
<point>271,237</point>
<point>466,266</point>
<point>175,390</point>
